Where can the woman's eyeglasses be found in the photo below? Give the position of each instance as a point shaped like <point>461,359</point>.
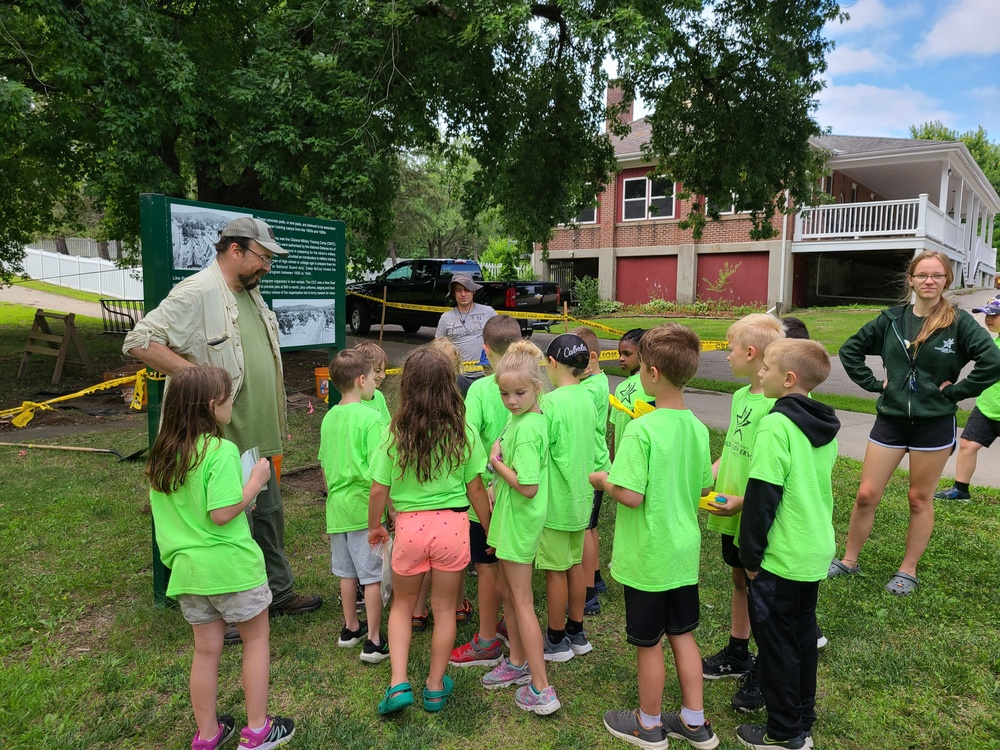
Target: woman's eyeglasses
<point>921,277</point>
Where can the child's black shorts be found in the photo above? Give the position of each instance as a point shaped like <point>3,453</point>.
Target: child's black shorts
<point>730,552</point>
<point>477,544</point>
<point>595,512</point>
<point>981,429</point>
<point>649,615</point>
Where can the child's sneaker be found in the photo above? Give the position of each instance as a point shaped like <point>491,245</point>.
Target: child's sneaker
<point>465,613</point>
<point>351,638</point>
<point>502,632</point>
<point>277,731</point>
<point>953,493</point>
<point>561,651</point>
<point>543,703</point>
<point>755,737</point>
<point>723,664</point>
<point>579,643</point>
<point>375,653</point>
<point>625,725</point>
<point>227,726</point>
<point>748,696</point>
<point>472,654</point>
<point>506,674</point>
<point>701,737</point>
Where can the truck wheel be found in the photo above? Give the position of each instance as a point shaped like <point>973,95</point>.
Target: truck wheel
<point>358,319</point>
<point>410,327</point>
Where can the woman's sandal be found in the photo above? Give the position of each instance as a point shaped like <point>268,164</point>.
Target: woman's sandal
<point>397,697</point>
<point>435,700</point>
<point>837,568</point>
<point>901,584</point>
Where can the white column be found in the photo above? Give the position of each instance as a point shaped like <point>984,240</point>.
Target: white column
<point>943,195</point>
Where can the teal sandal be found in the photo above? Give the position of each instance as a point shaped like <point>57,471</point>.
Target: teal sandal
<point>435,700</point>
<point>397,697</point>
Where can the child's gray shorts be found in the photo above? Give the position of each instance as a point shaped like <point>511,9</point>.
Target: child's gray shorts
<point>240,606</point>
<point>352,557</point>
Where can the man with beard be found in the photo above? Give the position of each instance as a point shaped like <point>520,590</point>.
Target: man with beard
<point>217,317</point>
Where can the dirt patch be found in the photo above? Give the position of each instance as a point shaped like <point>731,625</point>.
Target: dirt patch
<point>88,632</point>
<point>109,409</point>
<point>308,479</point>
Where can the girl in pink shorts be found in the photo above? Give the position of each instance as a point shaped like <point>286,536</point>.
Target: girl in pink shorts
<point>430,466</point>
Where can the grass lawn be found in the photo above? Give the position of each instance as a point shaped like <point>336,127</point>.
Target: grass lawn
<point>832,325</point>
<point>88,662</point>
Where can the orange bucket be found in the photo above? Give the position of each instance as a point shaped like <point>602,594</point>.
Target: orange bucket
<point>322,382</point>
<point>276,460</point>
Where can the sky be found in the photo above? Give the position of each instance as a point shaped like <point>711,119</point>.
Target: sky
<point>899,63</point>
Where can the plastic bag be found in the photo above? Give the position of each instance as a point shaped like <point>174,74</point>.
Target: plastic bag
<point>384,550</point>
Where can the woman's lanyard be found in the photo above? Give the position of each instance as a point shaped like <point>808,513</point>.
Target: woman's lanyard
<point>911,376</point>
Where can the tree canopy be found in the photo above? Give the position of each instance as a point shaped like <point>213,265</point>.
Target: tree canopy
<point>304,106</point>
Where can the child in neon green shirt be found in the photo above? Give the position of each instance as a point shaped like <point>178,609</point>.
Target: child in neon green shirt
<point>350,437</point>
<point>572,424</point>
<point>662,467</point>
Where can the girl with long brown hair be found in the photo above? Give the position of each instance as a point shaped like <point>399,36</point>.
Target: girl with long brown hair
<point>431,467</point>
<point>924,345</point>
<point>198,501</point>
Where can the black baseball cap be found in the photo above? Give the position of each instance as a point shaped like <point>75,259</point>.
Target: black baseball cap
<point>569,349</point>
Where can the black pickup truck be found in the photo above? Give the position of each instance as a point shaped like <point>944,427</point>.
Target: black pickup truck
<point>426,282</point>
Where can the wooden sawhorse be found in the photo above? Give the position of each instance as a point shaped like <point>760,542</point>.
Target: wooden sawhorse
<point>41,340</point>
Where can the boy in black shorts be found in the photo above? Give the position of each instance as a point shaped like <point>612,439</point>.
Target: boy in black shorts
<point>786,534</point>
<point>662,466</point>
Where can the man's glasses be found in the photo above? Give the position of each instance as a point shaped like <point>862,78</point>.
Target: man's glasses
<point>921,277</point>
<point>268,261</point>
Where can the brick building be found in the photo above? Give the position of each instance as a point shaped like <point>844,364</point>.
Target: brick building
<point>892,198</point>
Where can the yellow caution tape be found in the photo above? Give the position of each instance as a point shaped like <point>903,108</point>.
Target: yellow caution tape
<point>24,413</point>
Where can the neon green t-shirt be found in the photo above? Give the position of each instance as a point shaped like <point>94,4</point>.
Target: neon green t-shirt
<point>572,424</point>
<point>734,464</point>
<point>664,456</point>
<point>628,391</point>
<point>204,558</point>
<point>598,387</point>
<point>256,422</point>
<point>378,403</point>
<point>349,438</point>
<point>486,414</point>
<point>518,521</point>
<point>989,400</point>
<point>446,489</point>
<point>800,542</point>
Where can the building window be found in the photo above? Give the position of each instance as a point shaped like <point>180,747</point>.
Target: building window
<point>586,216</point>
<point>644,198</point>
<point>724,209</point>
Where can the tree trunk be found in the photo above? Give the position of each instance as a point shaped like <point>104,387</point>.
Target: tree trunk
<point>61,247</point>
<point>102,250</point>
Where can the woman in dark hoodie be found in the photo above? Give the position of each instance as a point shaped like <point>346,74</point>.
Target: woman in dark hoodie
<point>924,345</point>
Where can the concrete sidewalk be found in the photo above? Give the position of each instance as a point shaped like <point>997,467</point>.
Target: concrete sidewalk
<point>21,295</point>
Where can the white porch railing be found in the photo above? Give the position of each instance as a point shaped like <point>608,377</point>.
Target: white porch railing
<point>86,274</point>
<point>913,217</point>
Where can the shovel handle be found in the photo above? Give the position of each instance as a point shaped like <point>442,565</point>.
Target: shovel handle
<point>59,447</point>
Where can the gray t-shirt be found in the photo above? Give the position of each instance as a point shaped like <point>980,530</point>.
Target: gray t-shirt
<point>466,329</point>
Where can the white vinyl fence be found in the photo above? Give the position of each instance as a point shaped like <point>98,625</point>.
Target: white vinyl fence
<point>93,275</point>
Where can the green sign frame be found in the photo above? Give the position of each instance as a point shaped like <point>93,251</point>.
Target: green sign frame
<point>306,290</point>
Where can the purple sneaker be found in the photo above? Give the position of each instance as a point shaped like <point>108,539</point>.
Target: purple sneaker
<point>277,731</point>
<point>543,703</point>
<point>227,727</point>
<point>506,674</point>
